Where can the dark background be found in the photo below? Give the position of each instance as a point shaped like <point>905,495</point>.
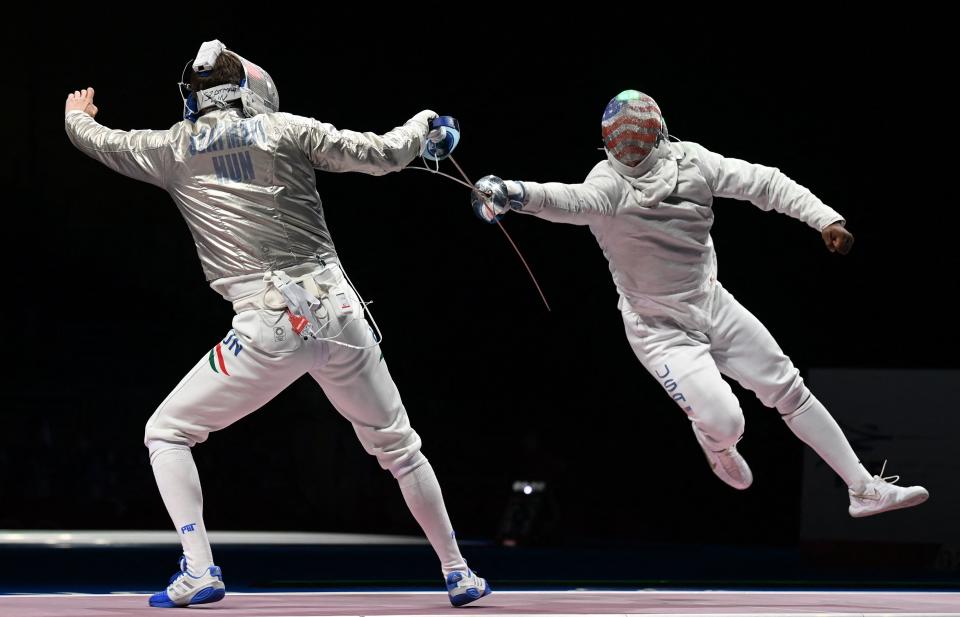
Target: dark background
<point>107,306</point>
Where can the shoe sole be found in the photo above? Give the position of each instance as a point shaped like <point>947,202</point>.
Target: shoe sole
<point>167,604</point>
<point>916,501</point>
<point>208,595</point>
<point>457,603</point>
<point>204,596</point>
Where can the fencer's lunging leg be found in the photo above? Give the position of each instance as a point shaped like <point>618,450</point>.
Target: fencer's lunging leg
<point>179,485</point>
<point>360,387</point>
<point>238,376</point>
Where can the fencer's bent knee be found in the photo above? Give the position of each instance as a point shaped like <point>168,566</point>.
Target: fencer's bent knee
<point>775,381</point>
<point>400,458</point>
<point>397,447</point>
<point>723,429</point>
<point>156,446</point>
<point>162,429</point>
<point>791,397</point>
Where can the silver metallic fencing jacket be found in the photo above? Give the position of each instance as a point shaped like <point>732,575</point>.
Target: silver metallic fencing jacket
<point>246,186</point>
<point>653,221</point>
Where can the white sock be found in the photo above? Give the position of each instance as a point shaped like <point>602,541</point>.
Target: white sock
<point>814,425</point>
<point>179,485</point>
<point>422,493</point>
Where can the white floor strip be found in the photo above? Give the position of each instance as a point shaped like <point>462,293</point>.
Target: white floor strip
<point>644,592</point>
<point>70,539</point>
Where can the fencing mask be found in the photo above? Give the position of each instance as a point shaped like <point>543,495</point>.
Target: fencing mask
<point>632,127</point>
<point>256,91</point>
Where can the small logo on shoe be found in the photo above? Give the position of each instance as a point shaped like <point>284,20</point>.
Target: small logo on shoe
<point>870,494</point>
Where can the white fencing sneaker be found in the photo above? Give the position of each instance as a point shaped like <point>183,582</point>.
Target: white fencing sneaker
<point>880,494</point>
<point>186,589</point>
<point>466,587</point>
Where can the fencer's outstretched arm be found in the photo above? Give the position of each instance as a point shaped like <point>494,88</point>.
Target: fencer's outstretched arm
<point>141,155</point>
<point>577,204</point>
<point>765,187</point>
<point>332,149</point>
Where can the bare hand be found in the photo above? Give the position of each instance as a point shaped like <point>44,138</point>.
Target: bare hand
<point>81,100</point>
<point>837,238</point>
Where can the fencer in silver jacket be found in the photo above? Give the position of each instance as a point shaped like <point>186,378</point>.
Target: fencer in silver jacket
<point>246,186</point>
<point>244,181</point>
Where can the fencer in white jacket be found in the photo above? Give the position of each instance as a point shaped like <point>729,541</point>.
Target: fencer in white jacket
<point>650,207</point>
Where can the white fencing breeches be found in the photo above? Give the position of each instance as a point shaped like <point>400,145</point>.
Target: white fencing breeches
<point>721,337</point>
<point>262,355</point>
<point>690,350</point>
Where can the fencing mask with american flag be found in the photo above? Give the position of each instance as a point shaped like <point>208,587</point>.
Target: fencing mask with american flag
<point>632,127</point>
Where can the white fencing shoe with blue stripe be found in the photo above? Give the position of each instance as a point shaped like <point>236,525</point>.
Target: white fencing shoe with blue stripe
<point>186,589</point>
<point>465,587</point>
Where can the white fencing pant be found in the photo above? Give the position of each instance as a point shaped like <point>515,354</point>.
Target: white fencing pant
<point>689,351</point>
<point>261,356</point>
